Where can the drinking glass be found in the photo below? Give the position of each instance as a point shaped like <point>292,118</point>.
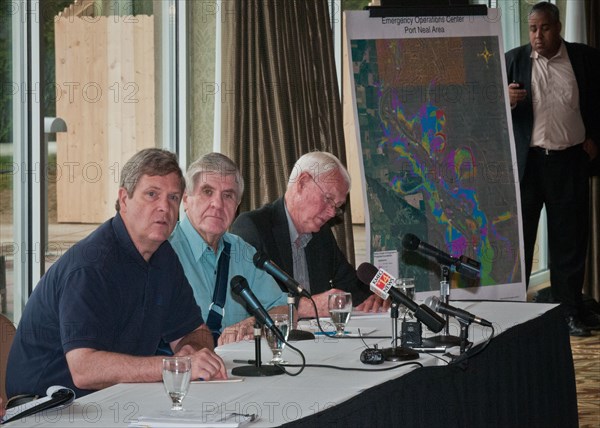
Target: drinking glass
<point>177,373</point>
<point>281,321</point>
<point>340,308</point>
<point>407,286</point>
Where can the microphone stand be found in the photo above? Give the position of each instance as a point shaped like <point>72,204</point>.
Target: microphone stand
<point>444,339</point>
<point>397,353</point>
<point>464,335</point>
<point>294,333</point>
<point>257,369</point>
<point>464,342</point>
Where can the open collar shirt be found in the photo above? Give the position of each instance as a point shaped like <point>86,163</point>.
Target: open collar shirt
<point>200,266</point>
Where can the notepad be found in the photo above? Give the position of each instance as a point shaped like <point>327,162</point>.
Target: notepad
<point>193,419</point>
<point>56,397</point>
<point>350,332</point>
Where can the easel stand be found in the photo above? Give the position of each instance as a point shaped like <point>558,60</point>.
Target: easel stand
<point>257,369</point>
<point>397,353</point>
<point>295,334</point>
<point>444,339</point>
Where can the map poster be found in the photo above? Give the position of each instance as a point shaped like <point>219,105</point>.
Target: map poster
<point>438,160</point>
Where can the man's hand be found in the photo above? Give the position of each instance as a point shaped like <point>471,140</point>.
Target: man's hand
<point>306,309</point>
<point>516,94</point>
<point>374,304</point>
<point>199,346</point>
<point>207,365</point>
<point>243,330</point>
<point>590,148</point>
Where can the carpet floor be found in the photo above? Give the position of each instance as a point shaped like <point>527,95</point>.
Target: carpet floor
<point>586,357</point>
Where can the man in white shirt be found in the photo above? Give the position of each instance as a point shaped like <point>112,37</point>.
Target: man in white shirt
<point>555,99</point>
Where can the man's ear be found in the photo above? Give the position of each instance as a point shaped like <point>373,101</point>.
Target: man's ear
<point>184,200</point>
<point>123,199</point>
<point>303,179</point>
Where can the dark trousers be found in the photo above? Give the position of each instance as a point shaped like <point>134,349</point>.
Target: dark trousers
<point>560,181</point>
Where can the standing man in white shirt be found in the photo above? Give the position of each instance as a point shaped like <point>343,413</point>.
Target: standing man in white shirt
<point>554,94</point>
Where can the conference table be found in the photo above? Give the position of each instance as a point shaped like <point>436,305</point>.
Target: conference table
<point>523,377</point>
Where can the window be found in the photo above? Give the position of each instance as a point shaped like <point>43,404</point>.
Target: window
<point>92,82</point>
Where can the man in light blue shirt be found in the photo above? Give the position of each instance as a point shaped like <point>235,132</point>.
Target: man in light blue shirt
<point>214,188</point>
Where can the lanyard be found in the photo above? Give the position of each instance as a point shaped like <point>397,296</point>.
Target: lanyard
<point>216,308</point>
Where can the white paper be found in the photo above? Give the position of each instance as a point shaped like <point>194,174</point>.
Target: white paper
<point>193,419</point>
<point>387,260</point>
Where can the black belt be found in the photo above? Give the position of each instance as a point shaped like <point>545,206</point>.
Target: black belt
<point>548,152</point>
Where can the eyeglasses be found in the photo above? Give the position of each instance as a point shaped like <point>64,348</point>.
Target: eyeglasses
<point>337,209</point>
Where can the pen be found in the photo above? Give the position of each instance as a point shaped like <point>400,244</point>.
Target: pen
<point>435,349</point>
<point>244,361</point>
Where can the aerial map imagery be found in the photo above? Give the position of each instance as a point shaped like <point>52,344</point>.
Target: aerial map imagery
<point>434,139</point>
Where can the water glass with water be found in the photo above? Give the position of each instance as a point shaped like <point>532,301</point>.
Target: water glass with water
<point>177,374</point>
<point>281,321</point>
<point>340,309</point>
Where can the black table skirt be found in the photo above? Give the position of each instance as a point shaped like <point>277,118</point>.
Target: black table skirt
<point>524,378</point>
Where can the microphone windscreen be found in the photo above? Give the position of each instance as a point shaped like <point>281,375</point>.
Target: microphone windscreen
<point>238,283</point>
<point>410,242</point>
<point>259,259</point>
<point>431,302</point>
<point>366,272</point>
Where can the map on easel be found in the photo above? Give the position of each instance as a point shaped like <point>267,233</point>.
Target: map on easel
<point>437,156</point>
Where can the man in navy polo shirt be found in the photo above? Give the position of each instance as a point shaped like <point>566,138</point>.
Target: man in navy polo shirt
<point>96,317</point>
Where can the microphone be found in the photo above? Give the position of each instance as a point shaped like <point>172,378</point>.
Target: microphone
<point>464,265</point>
<point>261,261</point>
<point>443,308</point>
<point>239,287</point>
<point>381,283</point>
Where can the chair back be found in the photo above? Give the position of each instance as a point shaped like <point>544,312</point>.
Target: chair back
<point>7,334</point>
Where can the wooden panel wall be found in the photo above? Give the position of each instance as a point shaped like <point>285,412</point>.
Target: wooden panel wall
<point>106,92</point>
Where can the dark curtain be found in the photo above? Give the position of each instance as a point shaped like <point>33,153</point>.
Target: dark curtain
<point>592,278</point>
<point>279,96</point>
<point>592,12</point>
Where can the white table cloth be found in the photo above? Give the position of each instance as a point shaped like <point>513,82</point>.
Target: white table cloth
<point>280,399</point>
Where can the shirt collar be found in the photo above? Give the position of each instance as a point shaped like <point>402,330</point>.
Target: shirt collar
<point>197,244</point>
<point>562,51</point>
<point>125,240</point>
<point>294,235</point>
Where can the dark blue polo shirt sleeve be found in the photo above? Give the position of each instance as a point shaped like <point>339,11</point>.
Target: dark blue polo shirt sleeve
<point>183,315</point>
<point>87,311</point>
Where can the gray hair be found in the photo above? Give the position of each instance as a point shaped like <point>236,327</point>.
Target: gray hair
<point>148,162</point>
<point>214,163</point>
<point>316,164</point>
<point>547,8</point>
